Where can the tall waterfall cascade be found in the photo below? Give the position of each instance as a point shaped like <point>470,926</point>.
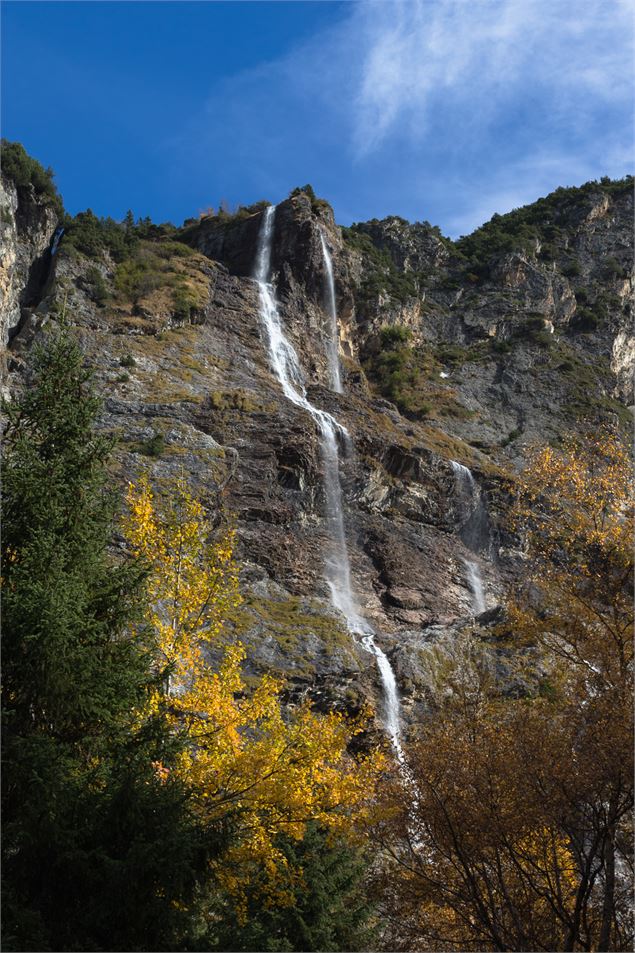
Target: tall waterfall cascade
<point>331,306</point>
<point>286,366</point>
<point>473,532</point>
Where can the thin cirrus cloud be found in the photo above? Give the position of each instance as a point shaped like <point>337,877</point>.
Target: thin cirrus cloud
<point>483,58</point>
<point>442,109</point>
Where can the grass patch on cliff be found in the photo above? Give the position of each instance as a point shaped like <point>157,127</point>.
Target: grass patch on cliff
<point>295,625</point>
<point>158,278</point>
<point>409,376</point>
<point>455,355</point>
<point>244,401</point>
<point>153,447</point>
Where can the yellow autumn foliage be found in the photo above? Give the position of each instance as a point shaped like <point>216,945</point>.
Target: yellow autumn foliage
<point>244,758</point>
<point>575,512</point>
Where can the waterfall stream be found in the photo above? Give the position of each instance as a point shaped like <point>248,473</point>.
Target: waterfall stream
<point>474,532</point>
<point>475,582</point>
<point>332,349</point>
<point>286,366</point>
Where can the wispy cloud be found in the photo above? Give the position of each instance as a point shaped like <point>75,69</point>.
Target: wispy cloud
<point>422,58</point>
<point>441,109</point>
<point>529,178</point>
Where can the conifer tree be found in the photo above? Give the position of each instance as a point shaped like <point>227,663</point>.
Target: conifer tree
<point>327,909</point>
<point>99,849</point>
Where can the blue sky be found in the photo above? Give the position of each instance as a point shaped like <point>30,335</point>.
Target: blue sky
<point>446,110</point>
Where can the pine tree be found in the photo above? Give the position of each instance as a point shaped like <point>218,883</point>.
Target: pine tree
<point>99,848</point>
<point>327,909</point>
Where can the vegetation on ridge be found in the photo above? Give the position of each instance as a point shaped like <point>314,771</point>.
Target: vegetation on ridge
<point>540,225</point>
<point>25,171</point>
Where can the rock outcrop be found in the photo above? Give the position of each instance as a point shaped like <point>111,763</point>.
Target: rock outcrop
<point>27,224</point>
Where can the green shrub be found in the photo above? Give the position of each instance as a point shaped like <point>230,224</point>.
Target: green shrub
<point>172,249</point>
<point>96,287</point>
<point>452,354</point>
<point>611,268</point>
<point>571,269</point>
<point>127,361</point>
<point>18,166</point>
<point>533,329</point>
<point>394,334</point>
<point>513,435</point>
<point>501,347</point>
<point>153,447</point>
<point>183,302</point>
<point>137,277</point>
<point>585,320</point>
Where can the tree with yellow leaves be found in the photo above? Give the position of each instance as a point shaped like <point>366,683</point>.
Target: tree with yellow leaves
<point>575,511</point>
<point>246,762</point>
<point>520,834</point>
<point>474,858</point>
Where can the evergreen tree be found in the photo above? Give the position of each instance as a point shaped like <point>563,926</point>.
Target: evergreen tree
<point>327,906</point>
<point>100,850</point>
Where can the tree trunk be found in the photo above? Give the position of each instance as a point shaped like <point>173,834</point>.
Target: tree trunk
<point>608,905</point>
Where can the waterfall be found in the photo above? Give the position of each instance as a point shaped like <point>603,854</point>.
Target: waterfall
<point>332,350</point>
<point>57,237</point>
<point>474,532</point>
<point>463,474</point>
<point>475,582</point>
<point>286,366</point>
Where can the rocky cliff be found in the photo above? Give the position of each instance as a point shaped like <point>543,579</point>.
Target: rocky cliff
<point>466,352</point>
<point>27,223</point>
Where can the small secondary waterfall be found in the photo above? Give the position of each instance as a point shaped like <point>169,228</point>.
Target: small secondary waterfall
<point>474,532</point>
<point>286,366</point>
<point>332,350</point>
<point>57,237</point>
<point>475,582</point>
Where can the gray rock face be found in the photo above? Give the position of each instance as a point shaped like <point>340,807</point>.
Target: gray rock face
<point>27,224</point>
<point>411,247</point>
<point>206,387</point>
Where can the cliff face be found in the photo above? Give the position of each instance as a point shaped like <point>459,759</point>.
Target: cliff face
<point>27,224</point>
<point>440,363</point>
